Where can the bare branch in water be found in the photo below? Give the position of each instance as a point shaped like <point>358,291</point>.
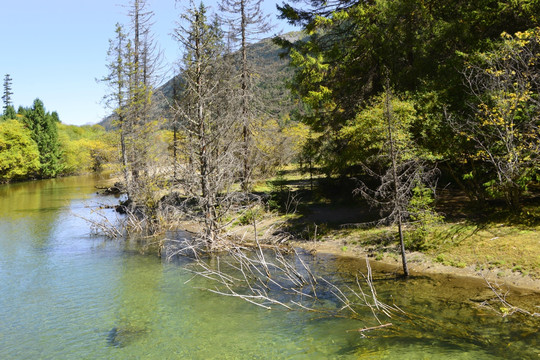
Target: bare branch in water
<point>271,278</point>
<point>503,307</point>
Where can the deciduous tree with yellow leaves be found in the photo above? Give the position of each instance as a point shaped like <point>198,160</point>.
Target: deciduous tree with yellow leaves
<point>505,121</point>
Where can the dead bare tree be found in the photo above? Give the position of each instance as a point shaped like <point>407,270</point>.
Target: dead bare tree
<point>278,278</point>
<point>500,304</point>
<point>209,165</point>
<point>118,56</point>
<point>403,171</point>
<point>143,68</point>
<point>133,66</point>
<point>246,22</point>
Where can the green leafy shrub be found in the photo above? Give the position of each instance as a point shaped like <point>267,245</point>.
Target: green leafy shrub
<point>19,154</point>
<point>422,217</point>
<point>250,215</point>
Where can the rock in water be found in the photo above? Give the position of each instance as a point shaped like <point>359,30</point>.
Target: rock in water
<point>112,337</point>
<point>120,337</point>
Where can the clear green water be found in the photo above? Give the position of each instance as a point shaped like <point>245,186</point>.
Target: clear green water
<point>65,294</point>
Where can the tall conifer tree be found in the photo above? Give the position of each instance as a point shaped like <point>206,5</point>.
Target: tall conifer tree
<point>6,97</point>
<point>117,79</point>
<point>43,126</point>
<point>133,63</point>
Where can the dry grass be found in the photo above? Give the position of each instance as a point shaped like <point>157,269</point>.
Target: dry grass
<point>506,247</point>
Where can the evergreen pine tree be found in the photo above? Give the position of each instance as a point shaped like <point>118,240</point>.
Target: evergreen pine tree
<point>43,126</point>
<point>7,93</point>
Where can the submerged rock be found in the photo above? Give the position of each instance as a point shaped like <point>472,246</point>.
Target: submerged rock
<point>121,337</point>
<point>112,337</point>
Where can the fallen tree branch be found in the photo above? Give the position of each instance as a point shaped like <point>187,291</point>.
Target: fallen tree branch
<point>371,328</point>
<point>506,309</point>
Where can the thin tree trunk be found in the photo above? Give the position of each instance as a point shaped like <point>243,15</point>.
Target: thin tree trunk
<point>124,157</point>
<point>245,114</point>
<point>175,133</point>
<point>175,152</point>
<point>396,187</point>
<point>513,198</point>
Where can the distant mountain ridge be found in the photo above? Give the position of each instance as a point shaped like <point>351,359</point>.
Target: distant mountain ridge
<point>272,72</point>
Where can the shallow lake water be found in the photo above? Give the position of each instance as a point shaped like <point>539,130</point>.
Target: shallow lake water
<point>68,294</point>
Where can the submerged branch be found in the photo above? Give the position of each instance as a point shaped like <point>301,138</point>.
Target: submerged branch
<point>272,279</point>
<point>504,308</point>
<point>371,328</point>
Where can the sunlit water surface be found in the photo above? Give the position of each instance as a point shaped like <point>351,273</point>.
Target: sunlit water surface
<point>67,294</point>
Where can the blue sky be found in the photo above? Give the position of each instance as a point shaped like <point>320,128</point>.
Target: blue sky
<point>56,49</point>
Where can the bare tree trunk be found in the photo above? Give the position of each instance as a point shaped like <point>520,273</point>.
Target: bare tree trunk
<point>125,169</point>
<point>212,156</point>
<point>175,132</point>
<point>397,204</point>
<point>245,115</point>
<point>246,20</point>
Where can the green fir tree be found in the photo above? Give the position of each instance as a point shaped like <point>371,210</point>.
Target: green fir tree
<point>43,126</point>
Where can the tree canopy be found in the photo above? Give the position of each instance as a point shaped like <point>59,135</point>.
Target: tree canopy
<point>43,126</point>
<point>19,154</point>
<point>350,48</point>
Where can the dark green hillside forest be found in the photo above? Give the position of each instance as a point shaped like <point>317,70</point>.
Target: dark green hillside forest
<point>468,70</point>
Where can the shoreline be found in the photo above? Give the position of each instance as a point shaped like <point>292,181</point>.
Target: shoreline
<point>420,265</point>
